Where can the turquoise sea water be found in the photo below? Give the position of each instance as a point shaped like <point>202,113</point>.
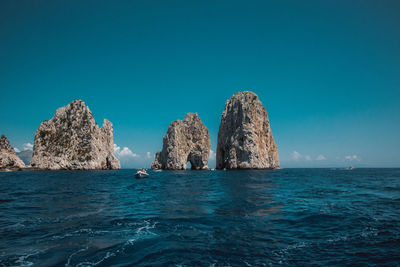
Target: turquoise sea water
<point>200,218</point>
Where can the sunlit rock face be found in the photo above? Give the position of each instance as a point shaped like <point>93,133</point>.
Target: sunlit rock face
<point>8,158</point>
<point>245,138</point>
<point>185,141</point>
<point>72,140</point>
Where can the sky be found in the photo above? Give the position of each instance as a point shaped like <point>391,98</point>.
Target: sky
<point>326,71</point>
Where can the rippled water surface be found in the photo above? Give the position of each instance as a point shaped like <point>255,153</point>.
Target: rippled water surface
<point>200,218</point>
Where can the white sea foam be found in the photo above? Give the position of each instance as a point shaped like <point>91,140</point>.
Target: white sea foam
<point>86,263</point>
<point>15,226</point>
<point>22,260</point>
<point>146,228</point>
<point>337,239</point>
<point>80,215</point>
<point>142,232</point>
<point>75,253</point>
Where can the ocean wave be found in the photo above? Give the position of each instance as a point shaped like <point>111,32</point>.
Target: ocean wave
<point>75,253</point>
<point>85,264</point>
<point>25,260</point>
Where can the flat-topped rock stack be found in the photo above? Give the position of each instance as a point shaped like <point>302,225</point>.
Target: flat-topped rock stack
<point>185,141</point>
<point>72,140</point>
<point>8,158</point>
<point>245,138</point>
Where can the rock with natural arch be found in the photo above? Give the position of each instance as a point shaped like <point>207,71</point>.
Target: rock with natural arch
<point>185,141</point>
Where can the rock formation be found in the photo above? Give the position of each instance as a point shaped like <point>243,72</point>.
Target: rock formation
<point>186,140</point>
<point>244,138</point>
<point>72,140</point>
<point>8,158</point>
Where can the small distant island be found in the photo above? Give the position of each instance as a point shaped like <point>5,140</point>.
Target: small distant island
<point>72,140</point>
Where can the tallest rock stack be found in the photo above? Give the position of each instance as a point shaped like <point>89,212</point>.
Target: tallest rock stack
<point>245,139</point>
<point>72,140</point>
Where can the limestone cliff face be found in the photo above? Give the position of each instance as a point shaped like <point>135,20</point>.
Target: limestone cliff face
<point>72,140</point>
<point>8,158</point>
<point>186,140</point>
<point>244,138</point>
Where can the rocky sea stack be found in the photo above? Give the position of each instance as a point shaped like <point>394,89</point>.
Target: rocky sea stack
<point>185,141</point>
<point>244,138</point>
<point>72,140</point>
<point>8,158</point>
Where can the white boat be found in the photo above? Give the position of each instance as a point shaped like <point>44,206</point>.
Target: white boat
<point>141,174</point>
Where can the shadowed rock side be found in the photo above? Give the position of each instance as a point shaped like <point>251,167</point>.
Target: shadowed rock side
<point>8,158</point>
<point>186,140</point>
<point>244,138</point>
<point>72,140</point>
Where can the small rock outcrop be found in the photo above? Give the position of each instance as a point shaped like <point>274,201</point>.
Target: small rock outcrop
<point>185,141</point>
<point>72,140</point>
<point>8,158</point>
<point>244,138</point>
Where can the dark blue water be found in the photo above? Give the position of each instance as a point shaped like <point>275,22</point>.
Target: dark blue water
<point>201,218</point>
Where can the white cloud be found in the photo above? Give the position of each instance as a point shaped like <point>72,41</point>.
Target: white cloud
<point>16,150</point>
<point>27,146</point>
<point>117,149</point>
<point>296,155</point>
<point>124,152</point>
<point>213,155</point>
<point>148,155</point>
<point>352,158</point>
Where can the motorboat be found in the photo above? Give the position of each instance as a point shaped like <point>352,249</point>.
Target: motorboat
<point>141,174</point>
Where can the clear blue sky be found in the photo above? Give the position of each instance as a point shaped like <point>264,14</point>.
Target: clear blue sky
<point>328,72</point>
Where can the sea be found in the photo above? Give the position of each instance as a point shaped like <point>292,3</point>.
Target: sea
<point>287,217</point>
